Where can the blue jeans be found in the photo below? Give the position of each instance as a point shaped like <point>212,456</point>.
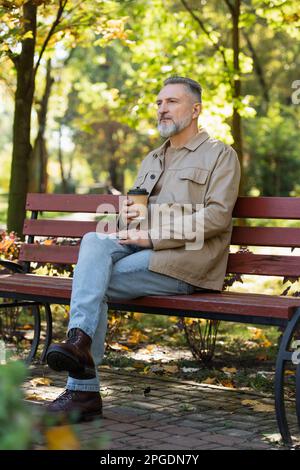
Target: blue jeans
<point>107,270</point>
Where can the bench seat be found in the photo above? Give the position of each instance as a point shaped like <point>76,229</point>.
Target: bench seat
<point>43,288</point>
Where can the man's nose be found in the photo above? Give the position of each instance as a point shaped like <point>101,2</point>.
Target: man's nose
<point>163,108</point>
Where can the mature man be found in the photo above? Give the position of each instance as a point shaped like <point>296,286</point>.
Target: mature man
<point>190,168</point>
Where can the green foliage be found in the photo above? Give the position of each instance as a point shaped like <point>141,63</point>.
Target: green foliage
<point>15,419</point>
<point>273,142</point>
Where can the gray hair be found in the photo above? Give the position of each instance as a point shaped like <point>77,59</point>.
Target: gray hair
<point>193,87</point>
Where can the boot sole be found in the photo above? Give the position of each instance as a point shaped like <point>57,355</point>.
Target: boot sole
<point>60,360</point>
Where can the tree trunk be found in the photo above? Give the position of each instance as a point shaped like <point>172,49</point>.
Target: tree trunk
<point>64,184</point>
<point>236,117</point>
<point>21,126</point>
<point>39,158</point>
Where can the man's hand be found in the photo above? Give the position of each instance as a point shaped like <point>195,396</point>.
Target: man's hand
<point>128,211</point>
<point>135,237</point>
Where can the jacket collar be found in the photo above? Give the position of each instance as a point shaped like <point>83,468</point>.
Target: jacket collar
<point>191,145</point>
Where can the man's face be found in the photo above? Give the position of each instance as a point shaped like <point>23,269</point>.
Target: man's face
<point>175,109</point>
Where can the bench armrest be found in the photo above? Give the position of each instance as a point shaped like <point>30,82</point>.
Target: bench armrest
<point>12,266</point>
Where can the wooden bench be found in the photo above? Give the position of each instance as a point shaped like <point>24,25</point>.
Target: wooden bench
<point>24,288</point>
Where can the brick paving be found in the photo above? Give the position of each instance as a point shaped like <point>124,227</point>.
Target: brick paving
<point>175,415</point>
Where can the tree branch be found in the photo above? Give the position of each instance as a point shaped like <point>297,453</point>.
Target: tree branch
<point>230,6</point>
<point>205,30</point>
<point>258,68</point>
<point>62,5</point>
<point>13,57</point>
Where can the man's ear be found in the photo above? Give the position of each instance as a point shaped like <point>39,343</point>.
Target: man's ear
<point>197,110</point>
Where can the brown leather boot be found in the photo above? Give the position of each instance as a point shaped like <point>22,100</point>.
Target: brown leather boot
<point>76,406</point>
<point>73,356</point>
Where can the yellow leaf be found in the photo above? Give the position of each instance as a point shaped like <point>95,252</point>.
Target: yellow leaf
<point>266,343</point>
<point>119,347</point>
<point>33,397</point>
<point>230,370</point>
<point>227,383</point>
<point>209,380</point>
<point>257,332</point>
<point>150,347</point>
<point>289,372</point>
<point>171,369</point>
<point>41,381</point>
<point>28,35</point>
<point>136,337</point>
<point>257,406</point>
<point>61,438</point>
<point>173,319</point>
<point>137,316</point>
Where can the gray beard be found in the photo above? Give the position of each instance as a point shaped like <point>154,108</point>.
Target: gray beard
<point>167,130</point>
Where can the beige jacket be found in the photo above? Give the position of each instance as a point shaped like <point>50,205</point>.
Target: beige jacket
<point>205,171</point>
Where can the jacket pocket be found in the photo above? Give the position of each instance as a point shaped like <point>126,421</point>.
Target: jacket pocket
<point>197,175</point>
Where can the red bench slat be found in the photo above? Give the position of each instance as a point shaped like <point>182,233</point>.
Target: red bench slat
<point>266,236</point>
<point>246,207</point>
<point>267,207</point>
<point>59,228</point>
<point>242,263</point>
<point>49,253</point>
<point>225,302</point>
<point>264,265</point>
<point>255,236</point>
<point>70,202</point>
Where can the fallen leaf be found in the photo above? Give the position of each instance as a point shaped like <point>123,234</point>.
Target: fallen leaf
<point>171,369</point>
<point>48,242</point>
<point>33,397</point>
<point>119,347</point>
<point>136,337</point>
<point>41,381</point>
<point>258,406</point>
<point>266,343</point>
<point>27,327</point>
<point>227,383</point>
<point>289,372</point>
<point>61,438</point>
<point>209,380</point>
<point>187,407</point>
<point>257,332</point>
<point>229,370</point>
<point>261,357</point>
<point>157,369</point>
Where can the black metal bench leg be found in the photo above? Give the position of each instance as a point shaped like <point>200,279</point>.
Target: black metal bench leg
<point>37,333</point>
<point>284,355</point>
<point>48,338</point>
<point>298,394</point>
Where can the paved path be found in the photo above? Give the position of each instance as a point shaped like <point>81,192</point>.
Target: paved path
<point>174,415</point>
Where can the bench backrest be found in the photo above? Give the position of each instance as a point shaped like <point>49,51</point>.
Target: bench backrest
<point>246,208</point>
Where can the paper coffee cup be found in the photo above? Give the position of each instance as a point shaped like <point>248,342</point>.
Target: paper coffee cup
<point>140,199</point>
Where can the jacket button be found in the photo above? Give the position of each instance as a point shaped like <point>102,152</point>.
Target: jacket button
<point>152,177</point>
